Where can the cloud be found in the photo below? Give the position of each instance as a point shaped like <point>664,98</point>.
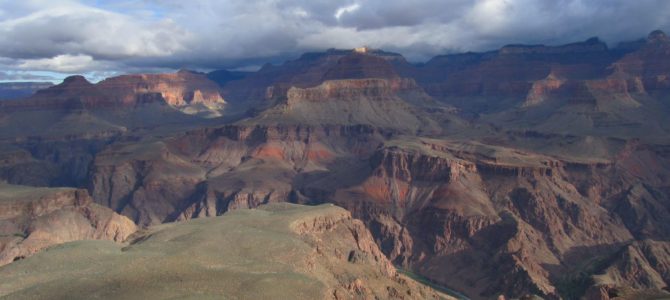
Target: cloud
<point>346,10</point>
<point>64,63</point>
<point>129,36</point>
<point>73,28</point>
<point>23,76</point>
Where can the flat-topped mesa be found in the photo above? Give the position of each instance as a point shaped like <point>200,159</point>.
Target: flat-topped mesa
<point>591,45</point>
<point>177,89</point>
<point>335,65</point>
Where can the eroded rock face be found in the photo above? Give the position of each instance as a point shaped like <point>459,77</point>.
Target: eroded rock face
<point>210,171</point>
<point>586,87</point>
<point>525,220</point>
<point>283,250</point>
<point>538,222</point>
<point>510,71</point>
<point>32,219</point>
<point>187,91</point>
<point>473,209</point>
<point>261,89</point>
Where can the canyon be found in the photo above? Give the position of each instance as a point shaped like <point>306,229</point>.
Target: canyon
<point>529,170</point>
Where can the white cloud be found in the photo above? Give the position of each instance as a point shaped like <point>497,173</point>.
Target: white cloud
<point>126,35</point>
<point>64,63</point>
<point>75,28</point>
<point>346,10</point>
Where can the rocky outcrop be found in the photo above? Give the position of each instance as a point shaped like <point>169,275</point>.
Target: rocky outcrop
<point>514,76</point>
<point>532,225</point>
<point>643,265</point>
<point>392,104</point>
<point>271,83</point>
<point>210,171</point>
<point>650,62</point>
<point>348,90</point>
<point>542,89</point>
<point>32,219</point>
<point>187,91</point>
<point>285,251</point>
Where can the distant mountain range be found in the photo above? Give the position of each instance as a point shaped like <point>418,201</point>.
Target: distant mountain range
<point>16,90</point>
<point>529,170</point>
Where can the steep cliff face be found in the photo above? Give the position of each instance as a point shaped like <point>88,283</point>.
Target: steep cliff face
<point>49,163</point>
<point>278,251</point>
<point>650,62</point>
<point>181,90</point>
<point>499,80</point>
<point>32,219</point>
<point>187,91</point>
<point>210,171</point>
<point>271,83</point>
<point>378,102</point>
<point>547,221</point>
<point>486,216</point>
<point>580,89</point>
<point>78,109</point>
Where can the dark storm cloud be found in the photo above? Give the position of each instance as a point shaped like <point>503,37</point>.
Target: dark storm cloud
<point>86,35</point>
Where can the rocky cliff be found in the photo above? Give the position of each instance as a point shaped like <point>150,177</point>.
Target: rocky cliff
<point>32,219</point>
<point>187,91</point>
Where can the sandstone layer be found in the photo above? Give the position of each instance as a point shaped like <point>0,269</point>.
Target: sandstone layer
<point>32,219</point>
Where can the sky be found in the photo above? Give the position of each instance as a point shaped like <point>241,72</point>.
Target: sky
<point>50,39</point>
